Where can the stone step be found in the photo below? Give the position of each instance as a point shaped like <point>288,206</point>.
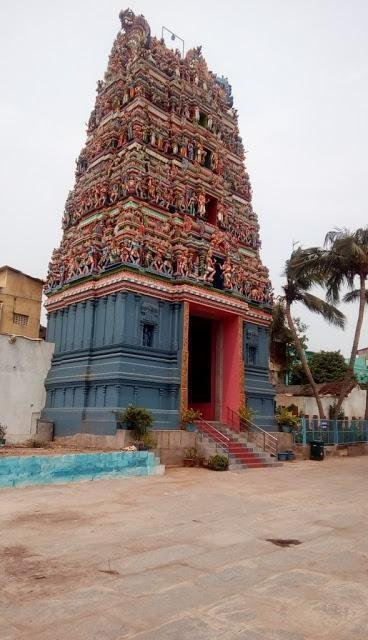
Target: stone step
<point>240,453</point>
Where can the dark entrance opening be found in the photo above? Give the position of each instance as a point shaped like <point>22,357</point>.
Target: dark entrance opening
<point>200,388</point>
<point>211,209</point>
<point>218,280</point>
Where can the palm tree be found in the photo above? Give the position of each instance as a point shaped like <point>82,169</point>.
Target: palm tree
<point>344,262</point>
<point>297,289</point>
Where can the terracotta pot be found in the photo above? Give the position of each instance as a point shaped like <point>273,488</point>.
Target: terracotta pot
<point>188,462</point>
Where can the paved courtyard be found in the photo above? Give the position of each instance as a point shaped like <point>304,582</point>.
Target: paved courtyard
<point>187,557</point>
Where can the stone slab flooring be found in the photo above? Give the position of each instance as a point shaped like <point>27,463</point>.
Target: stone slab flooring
<point>186,556</point>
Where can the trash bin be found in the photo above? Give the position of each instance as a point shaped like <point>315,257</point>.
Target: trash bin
<point>317,450</point>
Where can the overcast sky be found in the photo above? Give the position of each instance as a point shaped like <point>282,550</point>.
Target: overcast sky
<point>299,74</point>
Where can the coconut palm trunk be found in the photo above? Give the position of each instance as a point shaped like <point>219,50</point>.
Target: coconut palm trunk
<point>304,361</point>
<point>354,350</point>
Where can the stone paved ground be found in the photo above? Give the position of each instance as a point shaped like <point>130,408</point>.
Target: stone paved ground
<point>186,557</point>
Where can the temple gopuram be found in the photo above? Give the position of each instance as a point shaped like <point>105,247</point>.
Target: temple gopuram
<point>157,295</point>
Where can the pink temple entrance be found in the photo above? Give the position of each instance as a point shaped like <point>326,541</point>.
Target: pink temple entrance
<point>215,363</point>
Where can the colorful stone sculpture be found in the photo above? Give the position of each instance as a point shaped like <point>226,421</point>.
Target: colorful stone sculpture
<point>163,135</point>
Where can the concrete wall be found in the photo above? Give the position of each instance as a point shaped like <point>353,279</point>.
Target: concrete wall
<point>22,471</point>
<point>20,294</point>
<point>353,406</point>
<point>23,369</point>
<point>171,444</point>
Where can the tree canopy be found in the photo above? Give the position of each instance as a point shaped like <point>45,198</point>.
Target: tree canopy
<point>325,366</point>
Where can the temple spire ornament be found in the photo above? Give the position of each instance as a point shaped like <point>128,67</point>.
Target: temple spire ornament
<point>162,202</point>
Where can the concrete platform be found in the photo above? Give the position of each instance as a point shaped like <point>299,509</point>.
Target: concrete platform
<point>187,556</point>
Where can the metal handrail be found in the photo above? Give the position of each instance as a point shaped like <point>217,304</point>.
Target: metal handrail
<point>271,445</point>
<point>224,445</point>
<point>212,428</point>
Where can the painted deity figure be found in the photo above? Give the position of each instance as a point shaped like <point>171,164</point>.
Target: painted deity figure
<point>167,265</point>
<point>199,153</point>
<point>227,272</point>
<point>190,151</point>
<point>202,204</point>
<point>134,253</point>
<point>210,270</point>
<point>151,189</point>
<point>192,204</point>
<point>175,147</point>
<point>157,262</point>
<point>182,263</point>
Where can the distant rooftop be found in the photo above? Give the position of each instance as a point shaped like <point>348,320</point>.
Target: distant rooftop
<point>6,267</point>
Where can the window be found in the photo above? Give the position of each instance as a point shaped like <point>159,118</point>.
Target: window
<point>208,159</point>
<point>211,209</point>
<point>251,354</point>
<point>202,120</point>
<point>218,280</point>
<point>147,338</point>
<point>19,318</point>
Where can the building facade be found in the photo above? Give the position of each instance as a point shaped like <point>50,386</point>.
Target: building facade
<point>20,303</point>
<point>24,367</point>
<point>157,295</point>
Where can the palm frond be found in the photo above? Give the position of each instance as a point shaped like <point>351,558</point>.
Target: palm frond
<point>354,296</point>
<point>335,235</point>
<point>327,311</point>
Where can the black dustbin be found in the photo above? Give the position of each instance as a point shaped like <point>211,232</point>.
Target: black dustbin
<point>317,450</point>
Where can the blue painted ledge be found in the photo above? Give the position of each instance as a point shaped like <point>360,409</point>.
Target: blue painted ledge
<point>16,471</point>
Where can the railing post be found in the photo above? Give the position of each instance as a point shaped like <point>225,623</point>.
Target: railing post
<point>304,430</point>
<point>336,431</point>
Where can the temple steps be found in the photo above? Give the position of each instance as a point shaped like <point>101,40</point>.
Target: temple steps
<point>242,455</point>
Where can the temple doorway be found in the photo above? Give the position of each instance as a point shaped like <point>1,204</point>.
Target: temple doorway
<point>202,365</point>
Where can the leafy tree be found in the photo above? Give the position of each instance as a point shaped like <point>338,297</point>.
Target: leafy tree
<point>297,289</point>
<point>346,262</point>
<point>325,366</point>
<point>341,263</point>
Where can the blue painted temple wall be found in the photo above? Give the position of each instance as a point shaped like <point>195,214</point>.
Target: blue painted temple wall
<point>101,365</point>
<point>259,391</point>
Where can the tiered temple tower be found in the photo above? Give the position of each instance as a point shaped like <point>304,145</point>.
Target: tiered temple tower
<point>157,295</point>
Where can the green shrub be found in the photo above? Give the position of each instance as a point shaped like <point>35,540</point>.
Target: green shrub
<point>246,414</point>
<point>284,417</point>
<point>147,441</point>
<point>190,415</point>
<point>219,462</point>
<point>137,419</point>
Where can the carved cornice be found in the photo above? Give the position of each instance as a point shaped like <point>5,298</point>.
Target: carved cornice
<point>125,280</point>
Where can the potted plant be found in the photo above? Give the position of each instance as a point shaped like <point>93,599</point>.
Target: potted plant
<point>139,421</point>
<point>2,435</point>
<point>190,458</point>
<point>286,420</point>
<point>188,418</point>
<point>136,419</point>
<point>246,415</point>
<point>218,462</point>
